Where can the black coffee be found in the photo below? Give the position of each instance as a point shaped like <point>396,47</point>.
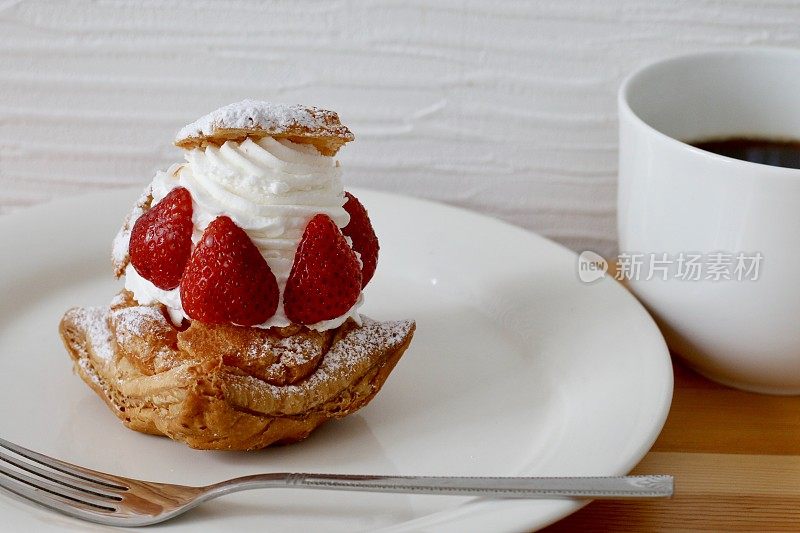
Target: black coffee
<point>775,152</point>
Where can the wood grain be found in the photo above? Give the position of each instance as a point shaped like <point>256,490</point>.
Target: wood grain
<point>736,461</point>
<point>503,107</point>
<point>711,418</point>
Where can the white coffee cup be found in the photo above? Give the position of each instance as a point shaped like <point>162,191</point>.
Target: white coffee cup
<point>677,199</point>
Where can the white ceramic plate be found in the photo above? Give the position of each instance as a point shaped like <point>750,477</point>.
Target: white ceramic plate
<point>517,368</point>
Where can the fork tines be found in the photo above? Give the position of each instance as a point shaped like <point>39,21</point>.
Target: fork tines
<point>58,485</point>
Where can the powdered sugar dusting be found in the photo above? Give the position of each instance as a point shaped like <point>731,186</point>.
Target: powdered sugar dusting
<point>119,300</point>
<point>289,350</point>
<point>137,321</point>
<point>288,354</point>
<point>93,321</point>
<point>268,116</point>
<point>86,366</point>
<point>352,354</point>
<point>347,359</point>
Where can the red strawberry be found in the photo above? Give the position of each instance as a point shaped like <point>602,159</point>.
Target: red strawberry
<point>227,280</point>
<point>325,280</point>
<point>363,236</point>
<point>161,240</point>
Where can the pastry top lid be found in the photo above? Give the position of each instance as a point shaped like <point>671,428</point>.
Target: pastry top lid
<point>255,118</point>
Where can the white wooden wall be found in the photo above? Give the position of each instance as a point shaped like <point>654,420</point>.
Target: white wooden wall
<point>503,107</point>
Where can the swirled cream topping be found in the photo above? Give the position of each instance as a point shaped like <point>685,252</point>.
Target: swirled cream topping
<point>271,188</point>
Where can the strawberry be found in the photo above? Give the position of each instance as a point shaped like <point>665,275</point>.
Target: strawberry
<point>227,280</point>
<point>161,240</point>
<point>325,280</point>
<point>365,242</point>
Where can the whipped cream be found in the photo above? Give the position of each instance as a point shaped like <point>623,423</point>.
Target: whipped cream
<point>271,188</point>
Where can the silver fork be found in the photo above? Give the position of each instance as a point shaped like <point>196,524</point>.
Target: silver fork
<point>120,501</point>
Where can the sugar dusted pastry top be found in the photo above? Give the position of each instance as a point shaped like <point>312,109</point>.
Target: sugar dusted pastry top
<point>256,119</point>
<point>270,169</point>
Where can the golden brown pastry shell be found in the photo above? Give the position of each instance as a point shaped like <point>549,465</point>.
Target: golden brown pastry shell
<point>228,387</point>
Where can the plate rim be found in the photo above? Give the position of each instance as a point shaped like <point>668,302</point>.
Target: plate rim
<point>537,521</point>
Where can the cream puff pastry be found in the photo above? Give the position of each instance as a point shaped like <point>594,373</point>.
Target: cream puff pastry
<point>244,268</point>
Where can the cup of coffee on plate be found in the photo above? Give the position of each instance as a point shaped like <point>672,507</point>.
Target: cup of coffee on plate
<point>709,210</point>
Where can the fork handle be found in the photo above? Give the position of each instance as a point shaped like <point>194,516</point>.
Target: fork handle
<point>654,486</point>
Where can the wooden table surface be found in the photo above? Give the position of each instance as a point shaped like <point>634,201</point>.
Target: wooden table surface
<point>735,457</point>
